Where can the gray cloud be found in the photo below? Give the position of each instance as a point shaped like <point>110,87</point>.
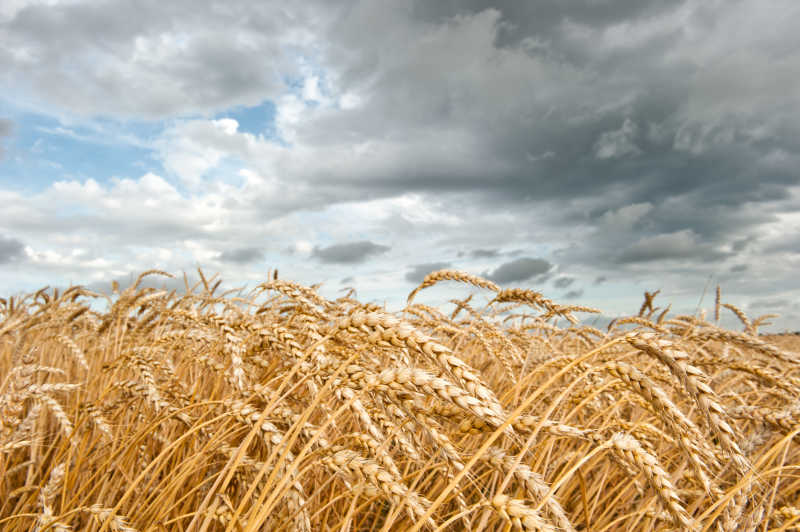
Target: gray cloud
<point>678,245</point>
<point>11,249</point>
<point>543,17</point>
<point>574,294</point>
<point>518,270</point>
<point>742,243</point>
<point>242,255</point>
<point>698,172</point>
<point>154,59</point>
<point>648,108</point>
<point>563,282</point>
<point>618,143</point>
<point>786,244</point>
<point>600,279</point>
<point>5,131</point>
<point>419,271</point>
<point>484,253</point>
<point>349,253</point>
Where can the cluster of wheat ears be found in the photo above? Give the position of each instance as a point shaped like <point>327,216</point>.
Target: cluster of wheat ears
<point>279,409</point>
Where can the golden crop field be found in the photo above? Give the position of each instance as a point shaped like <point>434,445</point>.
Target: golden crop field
<point>282,410</point>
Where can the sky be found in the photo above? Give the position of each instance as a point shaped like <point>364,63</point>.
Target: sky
<point>589,150</point>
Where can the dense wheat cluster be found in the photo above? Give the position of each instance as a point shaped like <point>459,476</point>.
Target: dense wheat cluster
<point>281,410</point>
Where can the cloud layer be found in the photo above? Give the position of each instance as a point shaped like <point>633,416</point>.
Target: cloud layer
<point>606,147</point>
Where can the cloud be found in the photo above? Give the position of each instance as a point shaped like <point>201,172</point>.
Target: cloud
<point>5,131</point>
<point>618,143</point>
<point>672,246</point>
<point>600,279</point>
<point>419,271</point>
<point>301,247</point>
<point>785,243</point>
<point>242,255</point>
<point>484,253</point>
<point>11,249</point>
<point>520,269</point>
<point>349,253</point>
<point>82,231</point>
<point>154,60</point>
<point>741,244</point>
<point>563,282</point>
<point>625,218</point>
<point>495,127</point>
<point>776,304</point>
<point>574,294</point>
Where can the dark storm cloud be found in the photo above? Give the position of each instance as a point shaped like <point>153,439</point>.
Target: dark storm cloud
<point>11,249</point>
<point>563,282</point>
<point>349,253</point>
<point>581,106</point>
<point>242,255</point>
<point>518,270</point>
<point>418,271</point>
<point>542,17</point>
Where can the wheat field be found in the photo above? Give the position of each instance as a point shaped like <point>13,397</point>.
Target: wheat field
<point>278,409</point>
